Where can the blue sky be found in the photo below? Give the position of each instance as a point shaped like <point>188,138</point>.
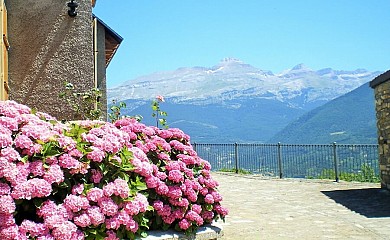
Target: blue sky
<point>163,35</point>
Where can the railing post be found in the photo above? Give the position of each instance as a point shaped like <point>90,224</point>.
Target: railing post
<point>336,162</point>
<point>280,160</point>
<point>236,156</point>
<point>195,146</point>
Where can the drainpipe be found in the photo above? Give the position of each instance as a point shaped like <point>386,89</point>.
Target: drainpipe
<point>95,55</point>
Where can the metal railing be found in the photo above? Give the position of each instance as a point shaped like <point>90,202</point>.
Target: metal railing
<point>292,160</point>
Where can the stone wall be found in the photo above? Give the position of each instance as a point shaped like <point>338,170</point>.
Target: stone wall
<point>381,84</point>
<point>49,48</point>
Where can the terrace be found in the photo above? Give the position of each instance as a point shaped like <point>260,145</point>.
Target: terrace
<point>270,208</point>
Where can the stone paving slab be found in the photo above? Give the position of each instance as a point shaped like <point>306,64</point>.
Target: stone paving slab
<point>302,209</point>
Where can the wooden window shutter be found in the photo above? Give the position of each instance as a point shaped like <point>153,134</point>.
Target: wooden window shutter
<point>4,89</point>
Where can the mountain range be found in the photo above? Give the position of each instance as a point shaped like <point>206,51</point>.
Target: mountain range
<point>234,101</point>
<point>349,118</point>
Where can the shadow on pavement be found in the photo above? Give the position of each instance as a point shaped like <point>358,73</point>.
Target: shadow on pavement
<point>369,202</point>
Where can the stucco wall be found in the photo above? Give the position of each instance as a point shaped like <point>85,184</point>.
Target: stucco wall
<point>382,99</point>
<point>48,48</point>
<point>101,68</point>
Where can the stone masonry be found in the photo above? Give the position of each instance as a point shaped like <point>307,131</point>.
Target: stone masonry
<point>381,86</point>
<point>49,48</point>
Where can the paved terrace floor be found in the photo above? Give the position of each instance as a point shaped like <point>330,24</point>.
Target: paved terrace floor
<point>303,209</point>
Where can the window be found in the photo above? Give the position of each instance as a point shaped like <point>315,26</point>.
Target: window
<point>4,89</point>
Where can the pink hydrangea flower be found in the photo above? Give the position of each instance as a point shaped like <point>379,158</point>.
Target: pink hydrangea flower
<point>131,208</point>
<point>46,237</point>
<point>40,188</point>
<point>162,188</point>
<point>10,123</point>
<point>9,233</point>
<point>221,210</point>
<point>132,226</point>
<point>158,205</point>
<point>121,188</point>
<point>111,235</point>
<point>10,154</point>
<point>78,235</point>
<point>169,219</point>
<point>163,156</point>
<point>175,176</point>
<point>36,168</point>
<point>184,224</point>
<point>152,181</point>
<point>197,208</point>
<point>53,221</point>
<point>96,216</point>
<point>160,98</point>
<point>4,189</point>
<point>34,149</point>
<point>191,195</point>
<point>10,172</point>
<point>109,189</point>
<point>207,215</point>
<point>211,183</point>
<point>78,189</point>
<point>75,153</point>
<point>174,192</point>
<point>67,143</point>
<point>54,174</point>
<point>123,217</point>
<point>95,194</point>
<point>52,160</point>
<point>96,155</point>
<point>21,141</point>
<point>182,202</point>
<point>82,220</point>
<point>217,197</point>
<point>33,229</point>
<point>47,208</point>
<point>194,217</point>
<point>209,199</point>
<point>67,161</point>
<point>96,176</point>
<point>204,191</point>
<point>178,213</point>
<point>32,188</point>
<point>7,204</point>
<point>175,165</point>
<point>64,231</point>
<point>6,220</point>
<point>76,203</point>
<point>165,134</point>
<point>113,223</point>
<point>108,206</point>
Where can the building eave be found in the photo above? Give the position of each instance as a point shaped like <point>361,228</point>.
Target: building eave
<point>384,77</point>
<point>112,41</point>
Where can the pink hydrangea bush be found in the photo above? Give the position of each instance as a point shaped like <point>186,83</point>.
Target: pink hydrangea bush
<point>180,188</point>
<point>97,180</point>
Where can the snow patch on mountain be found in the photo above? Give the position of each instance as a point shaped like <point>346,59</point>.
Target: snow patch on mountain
<point>230,79</point>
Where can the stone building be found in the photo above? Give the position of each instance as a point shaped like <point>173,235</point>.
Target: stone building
<point>381,86</point>
<point>47,43</point>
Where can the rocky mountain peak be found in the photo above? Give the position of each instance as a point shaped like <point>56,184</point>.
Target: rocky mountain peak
<point>228,60</point>
<point>301,67</point>
<point>234,79</point>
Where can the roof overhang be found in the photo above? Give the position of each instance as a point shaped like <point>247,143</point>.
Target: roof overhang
<point>384,77</point>
<point>112,41</point>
